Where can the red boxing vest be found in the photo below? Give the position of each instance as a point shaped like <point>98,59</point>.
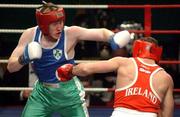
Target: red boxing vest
<point>140,95</point>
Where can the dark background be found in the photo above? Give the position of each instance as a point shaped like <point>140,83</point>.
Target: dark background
<point>165,19</point>
<point>20,18</point>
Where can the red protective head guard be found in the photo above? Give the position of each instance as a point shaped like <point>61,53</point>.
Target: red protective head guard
<point>44,19</point>
<point>146,49</point>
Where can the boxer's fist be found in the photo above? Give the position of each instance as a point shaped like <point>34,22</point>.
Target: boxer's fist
<point>64,72</point>
<point>119,39</point>
<point>31,52</point>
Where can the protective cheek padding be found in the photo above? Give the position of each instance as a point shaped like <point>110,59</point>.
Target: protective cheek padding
<point>45,19</point>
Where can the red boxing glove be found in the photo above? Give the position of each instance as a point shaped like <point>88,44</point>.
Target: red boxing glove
<point>64,72</point>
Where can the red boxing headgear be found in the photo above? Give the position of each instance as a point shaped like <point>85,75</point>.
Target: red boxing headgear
<point>44,19</point>
<point>146,49</point>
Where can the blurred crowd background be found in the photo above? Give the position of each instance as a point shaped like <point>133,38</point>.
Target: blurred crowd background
<point>114,19</point>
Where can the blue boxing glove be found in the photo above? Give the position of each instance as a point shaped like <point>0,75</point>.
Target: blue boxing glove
<point>119,39</point>
<point>32,52</point>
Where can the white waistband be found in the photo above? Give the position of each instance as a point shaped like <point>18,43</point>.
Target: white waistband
<point>53,85</point>
<point>135,112</point>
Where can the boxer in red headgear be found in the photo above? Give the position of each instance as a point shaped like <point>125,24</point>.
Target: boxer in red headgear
<point>50,46</point>
<point>144,49</point>
<point>143,88</point>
